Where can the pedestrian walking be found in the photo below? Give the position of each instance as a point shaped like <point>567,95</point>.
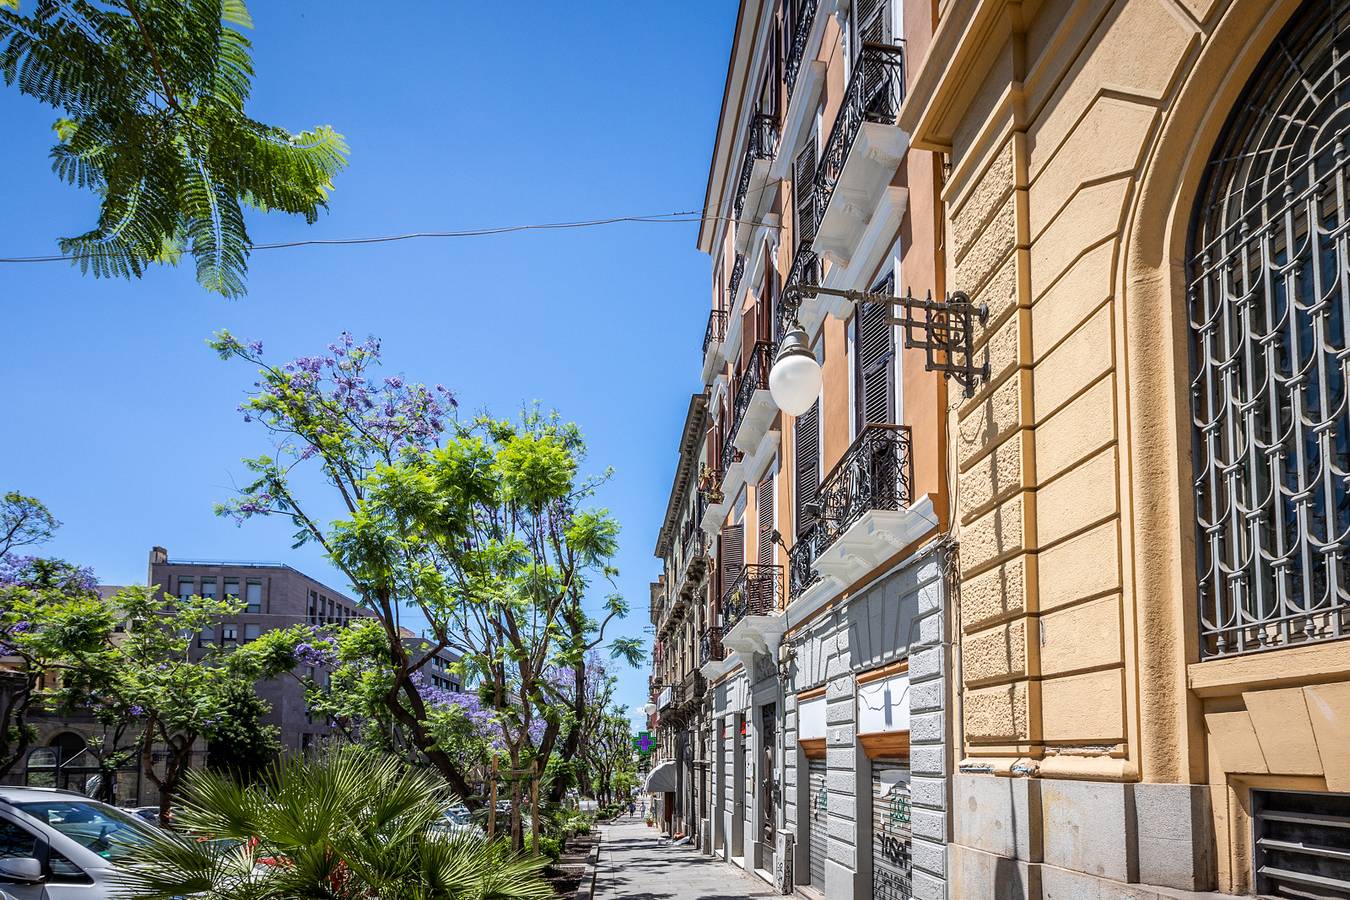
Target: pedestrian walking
<point>632,808</point>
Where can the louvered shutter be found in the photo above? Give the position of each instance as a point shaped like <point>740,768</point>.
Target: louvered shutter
<point>733,555</point>
<point>748,336</point>
<point>872,24</point>
<point>768,301</point>
<point>764,509</point>
<point>804,191</point>
<point>806,462</point>
<point>874,355</point>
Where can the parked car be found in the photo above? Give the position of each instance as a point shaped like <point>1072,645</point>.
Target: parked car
<point>60,845</point>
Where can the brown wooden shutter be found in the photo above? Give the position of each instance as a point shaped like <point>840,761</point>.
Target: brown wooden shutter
<point>806,464</point>
<point>874,362</point>
<point>733,555</point>
<point>804,191</point>
<point>764,511</point>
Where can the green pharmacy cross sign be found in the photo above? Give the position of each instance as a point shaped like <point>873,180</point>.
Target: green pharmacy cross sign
<point>643,743</point>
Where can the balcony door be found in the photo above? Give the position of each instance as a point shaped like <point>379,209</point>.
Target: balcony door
<point>768,784</point>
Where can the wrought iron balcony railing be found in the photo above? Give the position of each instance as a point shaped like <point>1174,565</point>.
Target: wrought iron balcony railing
<point>876,472</point>
<point>805,270</point>
<point>710,646</point>
<point>691,688</point>
<point>717,328</point>
<point>755,592</point>
<point>874,94</point>
<point>761,143</point>
<point>754,378</point>
<point>806,16</point>
<point>734,282</point>
<point>802,563</point>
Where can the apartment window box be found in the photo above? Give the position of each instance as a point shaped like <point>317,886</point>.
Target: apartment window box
<point>865,509</point>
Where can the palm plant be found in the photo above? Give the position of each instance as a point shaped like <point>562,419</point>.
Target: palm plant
<point>354,825</point>
<point>153,93</point>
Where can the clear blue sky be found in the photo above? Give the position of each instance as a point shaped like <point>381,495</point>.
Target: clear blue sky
<point>458,115</point>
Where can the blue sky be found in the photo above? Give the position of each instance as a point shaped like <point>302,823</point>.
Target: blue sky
<point>458,116</point>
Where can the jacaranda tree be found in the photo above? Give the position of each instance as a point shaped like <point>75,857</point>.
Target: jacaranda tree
<point>481,527</point>
<point>152,96</point>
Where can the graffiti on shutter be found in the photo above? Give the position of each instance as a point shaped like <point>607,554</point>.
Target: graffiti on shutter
<point>818,795</point>
<point>891,842</point>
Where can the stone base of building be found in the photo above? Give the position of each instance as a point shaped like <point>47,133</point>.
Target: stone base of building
<point>1054,839</point>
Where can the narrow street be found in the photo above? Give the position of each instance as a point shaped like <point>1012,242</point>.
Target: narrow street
<point>634,864</point>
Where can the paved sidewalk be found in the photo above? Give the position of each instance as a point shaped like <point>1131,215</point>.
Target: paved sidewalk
<point>635,866</point>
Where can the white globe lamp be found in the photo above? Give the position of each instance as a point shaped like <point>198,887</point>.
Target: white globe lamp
<point>649,709</point>
<point>794,380</point>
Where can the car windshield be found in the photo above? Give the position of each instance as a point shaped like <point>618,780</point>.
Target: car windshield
<point>107,831</point>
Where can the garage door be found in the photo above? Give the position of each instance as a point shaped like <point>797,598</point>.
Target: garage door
<point>890,830</point>
<point>819,799</point>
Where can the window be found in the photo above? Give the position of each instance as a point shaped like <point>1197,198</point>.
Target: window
<point>229,635</point>
<point>207,637</point>
<point>252,631</point>
<point>253,595</point>
<point>314,607</point>
<point>16,841</point>
<point>110,833</point>
<point>187,587</point>
<point>1301,842</point>
<point>232,588</point>
<point>209,586</point>
<point>1266,272</point>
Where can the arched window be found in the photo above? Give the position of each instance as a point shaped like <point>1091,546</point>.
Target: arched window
<point>1269,300</point>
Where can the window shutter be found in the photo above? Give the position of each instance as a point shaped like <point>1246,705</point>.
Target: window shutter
<point>806,462</point>
<point>873,23</point>
<point>874,358</point>
<point>764,509</point>
<point>804,191</point>
<point>733,555</point>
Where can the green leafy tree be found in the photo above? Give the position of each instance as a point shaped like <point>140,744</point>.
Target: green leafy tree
<point>154,685</point>
<point>482,527</point>
<point>354,825</point>
<point>48,608</point>
<point>153,94</point>
<point>242,744</point>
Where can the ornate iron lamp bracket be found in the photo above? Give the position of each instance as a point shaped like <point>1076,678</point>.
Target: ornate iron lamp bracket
<point>943,329</point>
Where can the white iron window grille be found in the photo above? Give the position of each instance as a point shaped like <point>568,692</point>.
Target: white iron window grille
<point>1269,304</point>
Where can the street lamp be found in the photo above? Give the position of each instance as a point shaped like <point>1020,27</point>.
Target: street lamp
<point>794,380</point>
<point>649,709</point>
<point>943,329</point>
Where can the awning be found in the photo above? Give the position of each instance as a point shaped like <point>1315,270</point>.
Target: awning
<point>661,779</point>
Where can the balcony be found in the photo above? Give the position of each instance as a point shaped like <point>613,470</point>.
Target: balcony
<point>693,556</point>
<point>753,412</point>
<point>862,153</point>
<point>731,342</point>
<point>865,508</point>
<point>802,572</point>
<point>713,337</point>
<point>713,658</point>
<point>751,607</point>
<point>712,499</point>
<point>761,145</point>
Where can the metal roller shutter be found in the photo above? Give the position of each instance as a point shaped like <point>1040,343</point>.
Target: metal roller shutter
<point>891,841</point>
<point>819,816</point>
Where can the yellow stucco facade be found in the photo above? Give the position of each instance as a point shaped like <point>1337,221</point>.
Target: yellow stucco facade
<point>1077,136</point>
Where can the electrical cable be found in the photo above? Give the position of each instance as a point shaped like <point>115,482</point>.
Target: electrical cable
<point>656,219</point>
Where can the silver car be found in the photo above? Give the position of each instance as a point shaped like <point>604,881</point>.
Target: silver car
<point>59,845</point>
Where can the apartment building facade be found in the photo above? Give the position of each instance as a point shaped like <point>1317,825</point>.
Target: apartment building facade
<point>1153,689</point>
<point>813,750</point>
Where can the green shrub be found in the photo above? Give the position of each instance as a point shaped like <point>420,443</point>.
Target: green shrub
<point>550,847</point>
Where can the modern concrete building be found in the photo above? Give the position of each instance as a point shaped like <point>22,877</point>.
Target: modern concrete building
<point>1154,686</point>
<point>814,596</point>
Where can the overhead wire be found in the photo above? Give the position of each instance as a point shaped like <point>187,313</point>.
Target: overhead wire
<point>654,219</point>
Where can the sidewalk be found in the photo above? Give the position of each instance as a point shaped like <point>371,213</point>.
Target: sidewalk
<point>635,866</point>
